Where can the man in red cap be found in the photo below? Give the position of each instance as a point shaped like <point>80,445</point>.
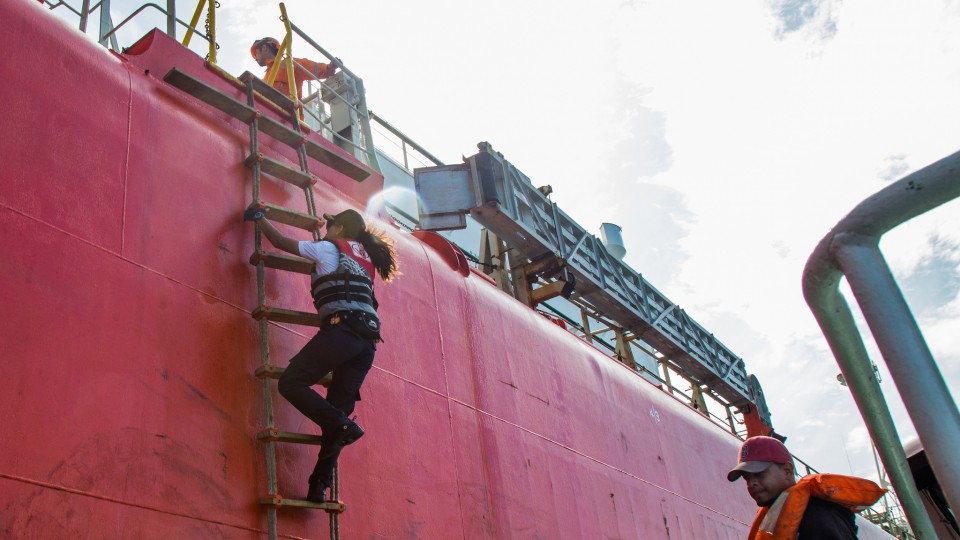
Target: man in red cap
<point>265,50</point>
<point>818,507</point>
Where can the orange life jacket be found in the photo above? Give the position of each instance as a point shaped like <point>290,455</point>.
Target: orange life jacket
<point>784,515</point>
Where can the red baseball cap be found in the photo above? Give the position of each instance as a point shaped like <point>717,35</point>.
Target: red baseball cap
<point>758,453</point>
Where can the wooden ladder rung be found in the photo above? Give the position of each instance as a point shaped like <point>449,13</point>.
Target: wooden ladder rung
<point>335,161</point>
<point>281,261</point>
<point>290,217</point>
<point>286,315</point>
<point>335,507</point>
<point>268,92</point>
<point>274,372</point>
<point>268,371</point>
<point>210,95</point>
<point>280,170</point>
<point>267,125</point>
<point>234,108</point>
<point>271,434</point>
<point>281,132</point>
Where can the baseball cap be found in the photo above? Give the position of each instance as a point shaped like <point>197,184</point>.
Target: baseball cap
<point>758,453</point>
<point>351,221</point>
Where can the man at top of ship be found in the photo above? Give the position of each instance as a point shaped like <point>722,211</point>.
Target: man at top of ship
<point>817,507</point>
<point>346,261</point>
<point>265,51</point>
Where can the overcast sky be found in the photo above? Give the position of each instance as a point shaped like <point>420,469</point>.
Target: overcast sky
<point>725,137</point>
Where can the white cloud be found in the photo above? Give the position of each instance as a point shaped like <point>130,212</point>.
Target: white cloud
<point>858,439</point>
<point>775,138</point>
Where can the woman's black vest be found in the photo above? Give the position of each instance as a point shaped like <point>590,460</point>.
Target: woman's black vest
<point>348,288</point>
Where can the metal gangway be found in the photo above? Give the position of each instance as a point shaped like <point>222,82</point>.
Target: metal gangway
<point>551,255</point>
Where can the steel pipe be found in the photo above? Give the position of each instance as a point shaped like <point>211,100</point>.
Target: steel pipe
<point>852,249</point>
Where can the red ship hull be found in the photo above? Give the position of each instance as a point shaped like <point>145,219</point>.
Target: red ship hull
<point>128,348</point>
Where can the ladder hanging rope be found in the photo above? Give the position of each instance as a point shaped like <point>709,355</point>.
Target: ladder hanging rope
<point>210,25</point>
<point>271,436</point>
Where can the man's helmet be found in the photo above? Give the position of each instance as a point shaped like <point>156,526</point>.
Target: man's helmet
<point>262,41</point>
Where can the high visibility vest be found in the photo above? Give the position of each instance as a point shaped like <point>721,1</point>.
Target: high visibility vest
<point>781,520</point>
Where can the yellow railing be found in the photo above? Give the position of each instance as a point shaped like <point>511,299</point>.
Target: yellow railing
<point>211,27</point>
<point>286,55</point>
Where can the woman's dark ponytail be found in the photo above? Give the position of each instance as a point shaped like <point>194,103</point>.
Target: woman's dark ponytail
<point>380,249</point>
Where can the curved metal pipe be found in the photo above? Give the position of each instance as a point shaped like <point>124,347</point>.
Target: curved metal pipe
<point>852,249</point>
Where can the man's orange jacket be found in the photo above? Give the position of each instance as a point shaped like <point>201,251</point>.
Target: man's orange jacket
<point>314,71</point>
<point>781,520</point>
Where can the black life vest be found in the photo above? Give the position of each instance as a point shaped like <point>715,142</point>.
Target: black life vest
<point>350,286</point>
